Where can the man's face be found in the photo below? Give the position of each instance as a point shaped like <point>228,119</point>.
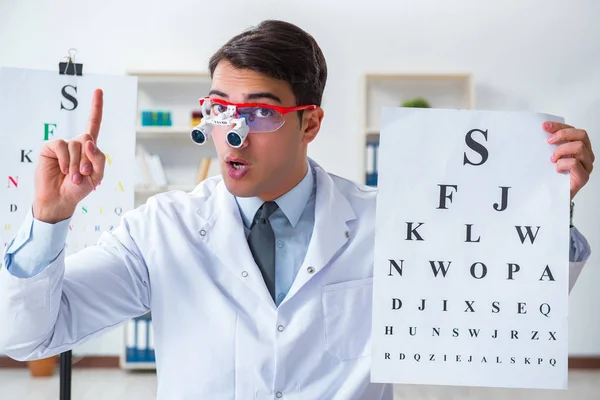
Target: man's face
<point>268,164</point>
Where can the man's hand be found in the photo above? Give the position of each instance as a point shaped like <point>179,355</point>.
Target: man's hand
<point>68,171</point>
<point>573,153</point>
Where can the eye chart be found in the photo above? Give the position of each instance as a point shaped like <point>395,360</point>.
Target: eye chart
<point>472,251</point>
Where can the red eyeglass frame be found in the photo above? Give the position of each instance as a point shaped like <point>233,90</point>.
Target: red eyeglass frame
<point>280,109</point>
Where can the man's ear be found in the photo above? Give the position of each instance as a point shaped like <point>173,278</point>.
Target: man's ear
<point>311,124</point>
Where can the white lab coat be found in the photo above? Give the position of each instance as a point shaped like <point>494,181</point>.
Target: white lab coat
<point>218,334</point>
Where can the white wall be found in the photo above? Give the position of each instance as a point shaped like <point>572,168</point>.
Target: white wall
<point>533,55</point>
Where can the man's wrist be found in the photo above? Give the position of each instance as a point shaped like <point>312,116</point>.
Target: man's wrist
<point>51,214</point>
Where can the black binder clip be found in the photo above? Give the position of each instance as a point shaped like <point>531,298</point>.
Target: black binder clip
<point>69,67</point>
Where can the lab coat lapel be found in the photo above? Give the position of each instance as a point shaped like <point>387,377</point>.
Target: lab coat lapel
<point>222,229</point>
<point>330,233</point>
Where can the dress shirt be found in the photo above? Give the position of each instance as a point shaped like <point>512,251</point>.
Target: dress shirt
<point>292,224</point>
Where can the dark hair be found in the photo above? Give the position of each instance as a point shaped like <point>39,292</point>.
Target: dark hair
<point>281,51</point>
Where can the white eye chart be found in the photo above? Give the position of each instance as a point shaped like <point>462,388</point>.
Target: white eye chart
<point>472,251</point>
<point>39,106</point>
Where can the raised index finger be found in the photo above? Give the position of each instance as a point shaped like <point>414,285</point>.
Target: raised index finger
<point>96,114</point>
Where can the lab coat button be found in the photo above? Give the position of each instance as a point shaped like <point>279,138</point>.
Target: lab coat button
<point>202,232</point>
<point>310,270</point>
<point>280,328</point>
<point>244,274</point>
<point>347,234</point>
<point>279,395</point>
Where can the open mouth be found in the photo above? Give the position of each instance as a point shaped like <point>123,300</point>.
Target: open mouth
<point>237,165</point>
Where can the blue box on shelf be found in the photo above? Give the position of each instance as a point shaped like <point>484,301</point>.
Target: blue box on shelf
<point>156,118</point>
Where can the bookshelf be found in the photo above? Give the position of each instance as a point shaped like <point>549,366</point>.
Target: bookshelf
<point>454,91</point>
<point>176,158</point>
<point>166,160</point>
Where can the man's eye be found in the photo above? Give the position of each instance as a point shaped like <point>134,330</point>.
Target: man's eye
<point>263,112</point>
<point>219,109</point>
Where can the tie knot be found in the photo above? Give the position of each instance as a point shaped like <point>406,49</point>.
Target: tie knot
<point>265,211</point>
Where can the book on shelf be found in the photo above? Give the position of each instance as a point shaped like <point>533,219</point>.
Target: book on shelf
<point>149,170</point>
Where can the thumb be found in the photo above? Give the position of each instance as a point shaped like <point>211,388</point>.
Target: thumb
<point>98,159</point>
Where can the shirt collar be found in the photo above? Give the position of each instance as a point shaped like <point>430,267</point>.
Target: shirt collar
<point>292,203</point>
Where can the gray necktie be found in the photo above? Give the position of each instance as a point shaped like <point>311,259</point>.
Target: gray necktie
<point>262,244</point>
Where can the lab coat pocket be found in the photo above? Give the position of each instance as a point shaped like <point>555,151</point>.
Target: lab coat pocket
<point>347,318</point>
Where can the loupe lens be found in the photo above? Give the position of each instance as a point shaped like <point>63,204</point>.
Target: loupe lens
<point>234,139</point>
<point>198,136</point>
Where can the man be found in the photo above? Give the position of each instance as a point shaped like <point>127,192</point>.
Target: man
<point>259,281</point>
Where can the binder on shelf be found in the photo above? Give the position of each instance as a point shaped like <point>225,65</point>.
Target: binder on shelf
<point>375,164</point>
<point>372,156</point>
<point>370,163</point>
<point>151,341</point>
<point>140,340</point>
<point>131,341</point>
